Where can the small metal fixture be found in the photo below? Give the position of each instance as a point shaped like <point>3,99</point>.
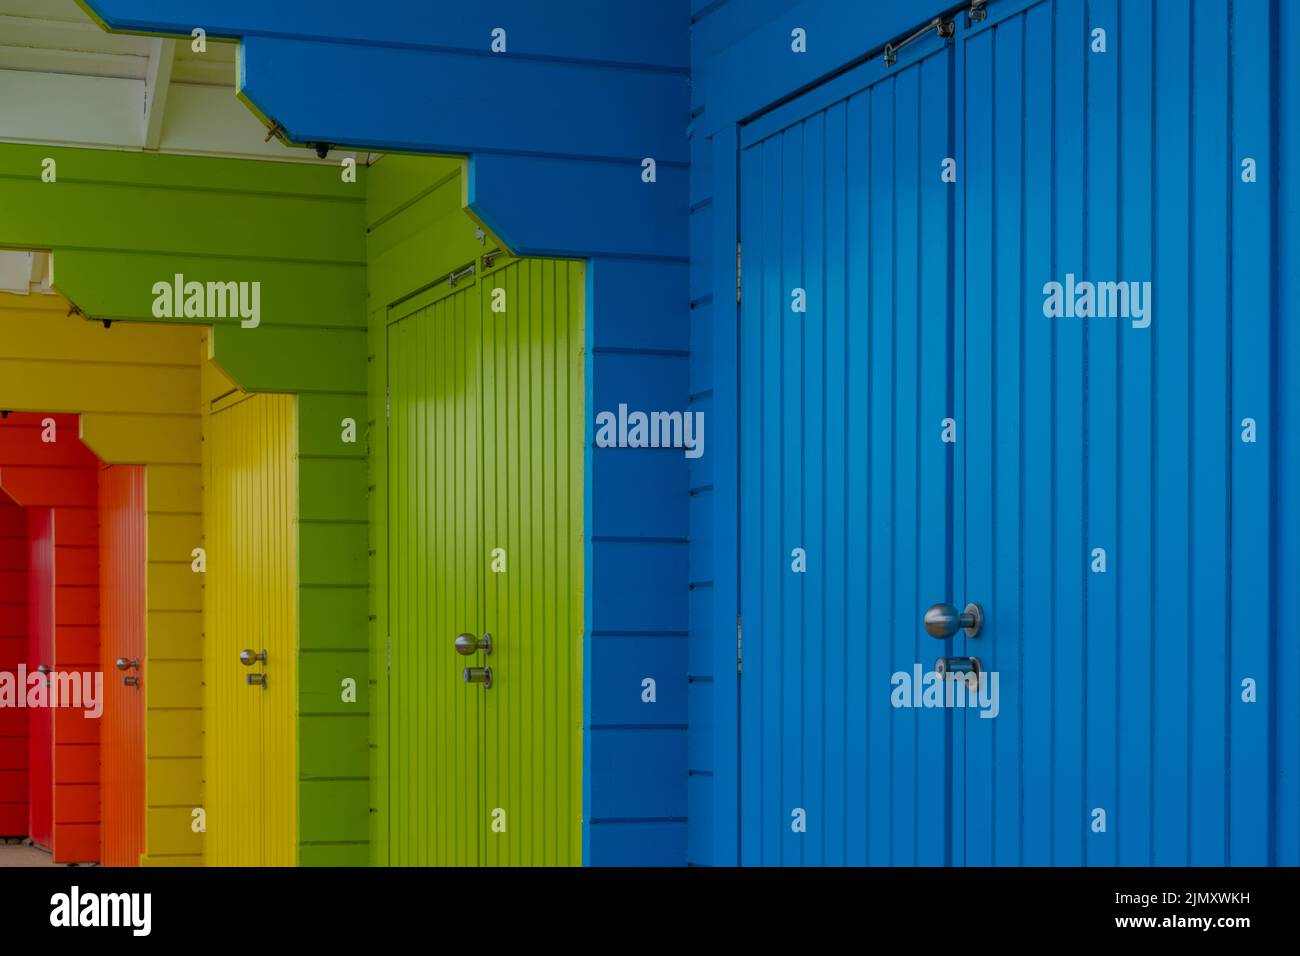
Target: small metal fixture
<point>248,658</point>
<point>479,675</point>
<point>467,644</point>
<point>977,12</point>
<point>947,667</point>
<point>491,257</point>
<point>455,277</point>
<point>276,127</point>
<point>322,150</point>
<point>256,680</point>
<point>131,681</point>
<point>939,25</point>
<point>128,664</point>
<point>943,620</point>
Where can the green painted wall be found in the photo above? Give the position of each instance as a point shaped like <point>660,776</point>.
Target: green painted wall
<point>119,222</point>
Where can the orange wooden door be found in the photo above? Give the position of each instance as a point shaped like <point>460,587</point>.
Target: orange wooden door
<point>121,635</point>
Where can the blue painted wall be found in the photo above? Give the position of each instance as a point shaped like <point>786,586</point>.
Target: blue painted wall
<point>556,129</point>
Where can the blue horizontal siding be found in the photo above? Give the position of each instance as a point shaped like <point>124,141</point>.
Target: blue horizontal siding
<point>582,30</point>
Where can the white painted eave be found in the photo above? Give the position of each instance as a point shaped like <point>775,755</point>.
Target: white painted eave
<point>24,273</point>
<point>66,82</point>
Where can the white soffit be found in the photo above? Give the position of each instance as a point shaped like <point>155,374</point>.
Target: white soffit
<point>23,273</point>
<point>66,82</point>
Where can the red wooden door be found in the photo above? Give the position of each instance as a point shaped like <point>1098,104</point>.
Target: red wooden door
<point>13,652</point>
<point>76,650</point>
<point>40,636</point>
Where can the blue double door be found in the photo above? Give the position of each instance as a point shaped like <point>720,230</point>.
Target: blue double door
<point>1007,330</point>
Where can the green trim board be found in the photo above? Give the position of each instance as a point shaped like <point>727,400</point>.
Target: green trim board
<point>117,224</point>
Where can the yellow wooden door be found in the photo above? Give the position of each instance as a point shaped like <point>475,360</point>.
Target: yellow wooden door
<point>250,737</point>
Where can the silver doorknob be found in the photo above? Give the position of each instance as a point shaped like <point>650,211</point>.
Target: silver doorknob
<point>42,668</point>
<point>944,620</point>
<point>479,675</point>
<point>248,658</point>
<point>467,644</point>
<point>125,664</point>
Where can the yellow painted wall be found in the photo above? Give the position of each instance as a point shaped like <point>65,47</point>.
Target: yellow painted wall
<point>251,602</point>
<point>137,389</point>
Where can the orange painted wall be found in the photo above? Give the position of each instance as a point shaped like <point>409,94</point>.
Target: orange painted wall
<point>62,476</point>
<point>13,651</point>
<point>122,566</point>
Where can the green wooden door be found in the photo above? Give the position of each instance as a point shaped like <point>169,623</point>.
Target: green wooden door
<point>532,375</point>
<point>434,580</point>
<point>485,500</point>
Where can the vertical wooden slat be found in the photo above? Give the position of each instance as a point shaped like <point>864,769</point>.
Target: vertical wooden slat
<point>1254,597</point>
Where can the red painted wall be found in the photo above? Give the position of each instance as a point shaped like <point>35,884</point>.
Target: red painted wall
<point>122,618</point>
<point>13,651</point>
<point>58,482</point>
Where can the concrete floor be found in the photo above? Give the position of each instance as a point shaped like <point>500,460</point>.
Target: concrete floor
<point>22,855</point>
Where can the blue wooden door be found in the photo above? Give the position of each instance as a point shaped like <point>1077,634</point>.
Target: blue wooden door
<point>1015,330</point>
<point>1114,509</point>
<point>846,324</point>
